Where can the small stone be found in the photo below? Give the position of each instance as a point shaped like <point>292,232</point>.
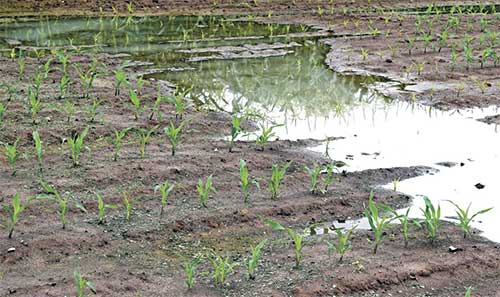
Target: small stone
<point>11,250</point>
<point>479,186</point>
<point>453,249</point>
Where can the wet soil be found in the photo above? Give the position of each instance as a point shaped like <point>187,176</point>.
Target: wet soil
<point>143,257</point>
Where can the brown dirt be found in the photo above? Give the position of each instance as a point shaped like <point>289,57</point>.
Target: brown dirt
<point>143,257</point>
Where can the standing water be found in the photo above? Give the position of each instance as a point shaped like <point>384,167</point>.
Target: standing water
<point>239,65</point>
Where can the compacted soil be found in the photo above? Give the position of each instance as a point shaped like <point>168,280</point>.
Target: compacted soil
<point>144,256</point>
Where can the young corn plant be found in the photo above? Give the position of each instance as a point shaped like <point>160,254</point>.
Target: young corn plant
<point>64,84</point>
<point>178,101</point>
<point>3,111</point>
<point>12,155</point>
<point>76,146</point>
<point>117,141</point>
<point>404,221</point>
<point>222,268</point>
<point>245,180</point>
<point>265,135</point>
<point>54,195</point>
<point>432,215</point>
<point>204,189</point>
<point>277,176</point>
<point>38,149</point>
<point>120,79</point>
<point>465,217</point>
<point>128,203</point>
<point>190,269</point>
<point>21,62</point>
<point>14,212</point>
<point>296,237</point>
<point>136,104</point>
<point>156,106</point>
<point>253,261</point>
<point>101,209</point>
<point>81,283</point>
<point>92,109</point>
<point>377,224</point>
<point>343,245</point>
<point>144,137</point>
<point>236,130</point>
<point>315,178</point>
<point>165,189</point>
<point>35,104</point>
<point>174,134</point>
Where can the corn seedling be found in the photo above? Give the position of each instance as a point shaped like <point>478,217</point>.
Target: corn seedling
<point>468,292</point>
<point>156,106</point>
<point>277,178</point>
<point>128,203</point>
<point>222,268</point>
<point>165,189</point>
<point>12,154</point>
<point>174,134</point>
<point>144,137</point>
<point>364,53</point>
<point>76,146</point>
<point>92,109</point>
<point>21,62</point>
<point>297,237</point>
<point>432,217</point>
<point>465,217</point>
<point>236,130</point>
<point>204,189</point>
<point>245,180</point>
<point>64,60</point>
<point>38,149</point>
<point>315,178</point>
<point>35,104</point>
<point>136,104</point>
<point>120,79</point>
<point>190,269</point>
<point>3,110</point>
<point>395,183</point>
<point>14,212</point>
<point>101,209</point>
<point>64,85</point>
<point>404,221</point>
<point>178,101</point>
<point>265,135</point>
<point>54,195</point>
<point>377,224</point>
<point>342,245</point>
<point>117,141</point>
<point>253,261</point>
<point>81,283</point>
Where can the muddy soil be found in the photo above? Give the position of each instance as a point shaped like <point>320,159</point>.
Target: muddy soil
<point>143,256</point>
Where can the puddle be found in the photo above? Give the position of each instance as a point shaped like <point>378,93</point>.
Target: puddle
<point>241,65</point>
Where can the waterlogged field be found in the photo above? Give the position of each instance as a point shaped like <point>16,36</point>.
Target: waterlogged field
<point>250,154</point>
